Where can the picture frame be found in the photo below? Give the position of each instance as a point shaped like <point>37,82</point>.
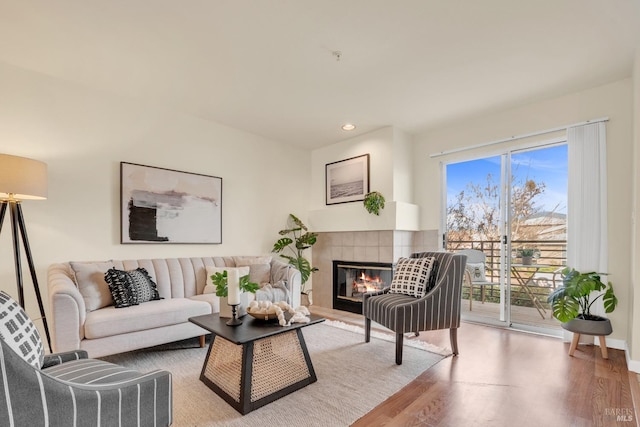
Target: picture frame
<point>167,206</point>
<point>347,180</point>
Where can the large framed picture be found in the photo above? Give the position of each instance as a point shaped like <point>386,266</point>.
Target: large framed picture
<point>347,180</point>
<point>168,206</point>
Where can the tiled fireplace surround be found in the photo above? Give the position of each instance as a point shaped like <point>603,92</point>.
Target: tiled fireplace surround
<point>361,246</point>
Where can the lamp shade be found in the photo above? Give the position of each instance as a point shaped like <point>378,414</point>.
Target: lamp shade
<point>22,178</point>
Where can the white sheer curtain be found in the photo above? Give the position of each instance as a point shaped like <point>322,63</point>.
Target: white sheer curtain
<point>587,198</point>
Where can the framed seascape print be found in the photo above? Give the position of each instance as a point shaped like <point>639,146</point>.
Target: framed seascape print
<point>168,206</point>
<point>347,180</point>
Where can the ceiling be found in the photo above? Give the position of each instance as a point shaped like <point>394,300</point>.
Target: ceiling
<point>270,66</point>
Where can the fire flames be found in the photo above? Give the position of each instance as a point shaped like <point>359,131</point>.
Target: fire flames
<point>367,284</point>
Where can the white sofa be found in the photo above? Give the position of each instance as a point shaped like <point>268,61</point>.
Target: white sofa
<point>82,315</point>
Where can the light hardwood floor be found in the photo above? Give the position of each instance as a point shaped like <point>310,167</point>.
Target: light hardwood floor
<point>509,378</point>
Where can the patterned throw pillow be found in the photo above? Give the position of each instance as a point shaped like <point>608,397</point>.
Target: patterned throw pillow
<point>411,276</point>
<point>19,332</point>
<point>144,285</point>
<point>122,292</point>
<point>131,287</point>
<point>476,270</point>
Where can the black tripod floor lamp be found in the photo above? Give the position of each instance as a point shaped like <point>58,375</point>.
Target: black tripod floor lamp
<point>22,179</point>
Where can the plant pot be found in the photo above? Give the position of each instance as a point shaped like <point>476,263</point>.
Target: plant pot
<point>600,326</point>
<point>527,260</point>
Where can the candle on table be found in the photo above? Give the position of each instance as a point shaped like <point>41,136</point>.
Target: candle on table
<point>233,286</point>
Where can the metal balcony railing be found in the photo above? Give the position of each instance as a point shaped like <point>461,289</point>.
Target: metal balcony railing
<point>550,253</point>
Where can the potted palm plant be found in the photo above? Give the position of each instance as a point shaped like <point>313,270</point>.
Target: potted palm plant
<point>297,238</point>
<point>571,303</point>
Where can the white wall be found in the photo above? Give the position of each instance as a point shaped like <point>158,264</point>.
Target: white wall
<point>83,135</point>
<point>390,173</point>
<point>614,101</point>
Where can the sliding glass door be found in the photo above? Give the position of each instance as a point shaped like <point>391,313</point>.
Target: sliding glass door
<point>508,213</point>
<point>475,221</point>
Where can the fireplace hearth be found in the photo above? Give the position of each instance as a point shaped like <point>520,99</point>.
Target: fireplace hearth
<point>351,280</point>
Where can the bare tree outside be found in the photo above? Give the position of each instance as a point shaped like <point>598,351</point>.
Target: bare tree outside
<point>473,214</point>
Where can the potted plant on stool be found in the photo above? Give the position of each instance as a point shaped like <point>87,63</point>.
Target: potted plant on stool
<point>571,304</point>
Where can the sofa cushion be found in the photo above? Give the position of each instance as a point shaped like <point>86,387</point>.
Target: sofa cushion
<point>260,267</point>
<point>91,284</point>
<point>411,276</point>
<point>155,314</point>
<point>19,332</point>
<point>248,260</point>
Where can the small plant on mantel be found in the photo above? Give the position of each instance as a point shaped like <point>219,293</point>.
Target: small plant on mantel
<point>374,202</point>
<point>297,238</point>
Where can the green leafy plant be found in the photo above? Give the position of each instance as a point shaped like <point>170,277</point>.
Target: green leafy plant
<point>297,239</point>
<point>573,299</point>
<point>526,252</point>
<point>220,281</point>
<point>374,202</point>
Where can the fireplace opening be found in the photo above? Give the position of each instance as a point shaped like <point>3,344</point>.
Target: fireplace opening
<point>351,280</point>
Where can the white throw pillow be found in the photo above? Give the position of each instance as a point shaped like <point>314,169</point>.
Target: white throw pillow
<point>241,261</point>
<point>411,276</point>
<point>210,288</point>
<point>477,271</point>
<point>19,332</point>
<point>260,267</point>
<point>92,285</point>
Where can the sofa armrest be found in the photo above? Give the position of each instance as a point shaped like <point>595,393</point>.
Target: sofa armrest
<point>68,310</point>
<point>283,271</point>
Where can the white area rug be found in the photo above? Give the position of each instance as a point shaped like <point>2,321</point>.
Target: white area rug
<point>353,378</point>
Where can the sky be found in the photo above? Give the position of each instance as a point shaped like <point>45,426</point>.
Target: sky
<point>548,165</point>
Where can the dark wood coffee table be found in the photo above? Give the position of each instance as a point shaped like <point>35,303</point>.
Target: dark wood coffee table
<point>255,363</point>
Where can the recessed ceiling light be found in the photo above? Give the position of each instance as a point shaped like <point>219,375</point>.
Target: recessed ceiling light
<point>348,126</point>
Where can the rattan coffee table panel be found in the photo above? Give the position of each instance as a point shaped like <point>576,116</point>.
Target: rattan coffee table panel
<point>278,362</point>
<point>224,367</point>
<point>254,363</point>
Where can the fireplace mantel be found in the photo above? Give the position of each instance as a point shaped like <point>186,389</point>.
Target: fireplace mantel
<point>348,217</point>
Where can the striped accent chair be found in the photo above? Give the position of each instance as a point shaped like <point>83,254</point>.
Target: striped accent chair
<point>439,308</point>
<point>71,390</point>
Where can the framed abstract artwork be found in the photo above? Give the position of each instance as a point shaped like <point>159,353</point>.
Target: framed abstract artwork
<point>168,206</point>
<point>347,180</point>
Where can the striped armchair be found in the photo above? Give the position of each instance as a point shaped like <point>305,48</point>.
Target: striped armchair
<point>438,309</point>
<point>71,390</point>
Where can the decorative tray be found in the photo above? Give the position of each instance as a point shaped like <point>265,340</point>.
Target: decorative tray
<point>264,316</point>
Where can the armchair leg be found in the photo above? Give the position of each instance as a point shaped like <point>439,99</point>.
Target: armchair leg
<point>202,340</point>
<point>453,335</point>
<point>367,329</point>
<point>399,342</point>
